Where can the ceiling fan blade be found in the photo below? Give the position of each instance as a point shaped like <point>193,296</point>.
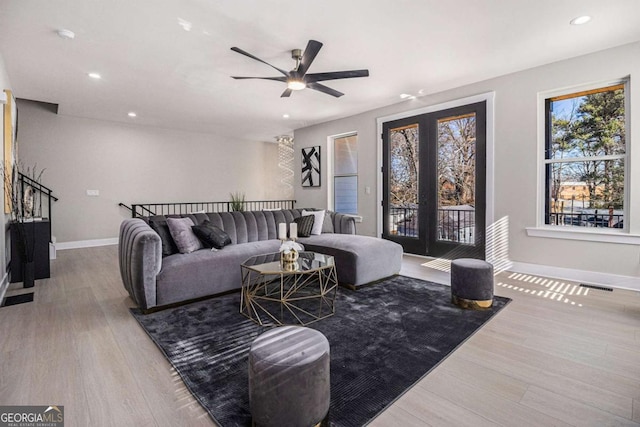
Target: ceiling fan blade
<point>318,77</point>
<point>278,79</point>
<point>324,89</point>
<point>242,52</point>
<point>286,93</point>
<point>310,52</point>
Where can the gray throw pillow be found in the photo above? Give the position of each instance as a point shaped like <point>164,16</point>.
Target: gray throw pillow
<point>183,235</point>
<point>168,245</point>
<point>327,225</point>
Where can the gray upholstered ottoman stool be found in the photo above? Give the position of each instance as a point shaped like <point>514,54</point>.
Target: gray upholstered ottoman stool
<point>471,283</point>
<point>289,377</point>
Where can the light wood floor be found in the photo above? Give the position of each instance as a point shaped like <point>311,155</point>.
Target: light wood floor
<point>551,357</point>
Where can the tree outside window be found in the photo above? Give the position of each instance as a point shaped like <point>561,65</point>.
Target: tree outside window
<point>585,157</point>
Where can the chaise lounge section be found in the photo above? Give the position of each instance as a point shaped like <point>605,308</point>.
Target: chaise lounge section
<point>154,281</point>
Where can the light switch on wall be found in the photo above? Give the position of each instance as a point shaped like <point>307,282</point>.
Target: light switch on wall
<point>93,193</point>
<point>367,190</point>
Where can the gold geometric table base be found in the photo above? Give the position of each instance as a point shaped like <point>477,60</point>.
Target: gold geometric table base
<point>296,297</point>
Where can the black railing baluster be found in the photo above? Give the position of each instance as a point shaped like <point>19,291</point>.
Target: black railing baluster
<point>182,208</point>
<point>39,191</point>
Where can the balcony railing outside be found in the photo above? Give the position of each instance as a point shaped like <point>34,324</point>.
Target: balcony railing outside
<point>403,221</point>
<point>454,224</point>
<point>587,219</point>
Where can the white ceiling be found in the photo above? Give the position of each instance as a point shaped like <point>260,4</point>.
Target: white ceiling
<point>180,79</point>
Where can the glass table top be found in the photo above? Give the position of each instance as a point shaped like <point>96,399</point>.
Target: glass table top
<point>271,263</point>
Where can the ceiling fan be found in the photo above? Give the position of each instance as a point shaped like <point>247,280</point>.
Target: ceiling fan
<point>298,79</point>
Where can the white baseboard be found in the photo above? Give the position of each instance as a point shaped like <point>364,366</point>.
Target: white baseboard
<point>582,276</point>
<point>4,285</point>
<point>86,243</point>
<point>587,277</point>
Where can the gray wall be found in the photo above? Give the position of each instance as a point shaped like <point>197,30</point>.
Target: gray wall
<point>516,152</point>
<point>4,247</point>
<point>135,164</point>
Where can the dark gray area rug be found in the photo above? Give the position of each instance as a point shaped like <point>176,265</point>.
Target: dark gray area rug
<point>384,338</point>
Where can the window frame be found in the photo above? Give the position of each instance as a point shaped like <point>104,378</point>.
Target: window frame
<point>332,156</point>
<point>542,229</point>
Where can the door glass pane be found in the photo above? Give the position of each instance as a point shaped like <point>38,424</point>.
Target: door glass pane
<point>403,181</point>
<point>346,194</point>
<point>456,178</point>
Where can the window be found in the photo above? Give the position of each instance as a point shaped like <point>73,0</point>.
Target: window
<point>586,158</point>
<point>345,174</point>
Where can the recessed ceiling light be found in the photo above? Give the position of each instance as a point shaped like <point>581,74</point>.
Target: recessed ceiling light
<point>95,76</point>
<point>186,25</point>
<point>580,20</point>
<point>131,114</point>
<point>285,116</point>
<point>66,34</point>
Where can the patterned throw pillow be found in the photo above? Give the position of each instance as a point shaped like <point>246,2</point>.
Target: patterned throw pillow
<point>183,235</point>
<point>317,223</point>
<point>211,235</point>
<point>305,225</point>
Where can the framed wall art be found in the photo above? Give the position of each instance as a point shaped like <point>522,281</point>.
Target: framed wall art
<point>10,133</point>
<point>311,166</point>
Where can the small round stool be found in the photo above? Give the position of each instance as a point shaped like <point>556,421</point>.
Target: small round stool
<point>471,283</point>
<point>289,377</point>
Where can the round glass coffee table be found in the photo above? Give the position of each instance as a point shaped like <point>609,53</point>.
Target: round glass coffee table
<point>285,293</point>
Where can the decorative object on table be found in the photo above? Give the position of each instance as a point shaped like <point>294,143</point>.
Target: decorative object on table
<point>22,216</point>
<point>27,201</point>
<point>401,327</point>
<point>289,248</point>
<point>311,166</point>
<point>289,251</point>
<point>237,201</point>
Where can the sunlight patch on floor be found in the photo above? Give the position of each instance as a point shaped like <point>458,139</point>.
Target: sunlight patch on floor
<point>550,289</point>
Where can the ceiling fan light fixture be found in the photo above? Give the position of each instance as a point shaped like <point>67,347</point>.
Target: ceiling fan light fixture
<point>296,84</point>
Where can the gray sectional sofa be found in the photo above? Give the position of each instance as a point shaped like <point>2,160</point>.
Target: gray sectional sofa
<point>155,281</point>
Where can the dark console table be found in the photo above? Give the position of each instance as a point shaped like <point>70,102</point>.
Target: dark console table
<point>42,231</point>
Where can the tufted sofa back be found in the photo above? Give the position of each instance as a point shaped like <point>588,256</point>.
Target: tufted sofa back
<point>252,226</point>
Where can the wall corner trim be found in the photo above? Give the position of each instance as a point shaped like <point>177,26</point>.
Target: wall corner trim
<point>4,285</point>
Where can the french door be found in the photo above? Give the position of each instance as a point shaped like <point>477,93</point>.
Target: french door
<point>434,182</point>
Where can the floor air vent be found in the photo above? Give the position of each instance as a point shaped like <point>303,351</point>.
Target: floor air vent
<point>600,288</point>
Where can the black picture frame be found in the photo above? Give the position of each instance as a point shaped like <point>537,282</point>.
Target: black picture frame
<point>310,173</point>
